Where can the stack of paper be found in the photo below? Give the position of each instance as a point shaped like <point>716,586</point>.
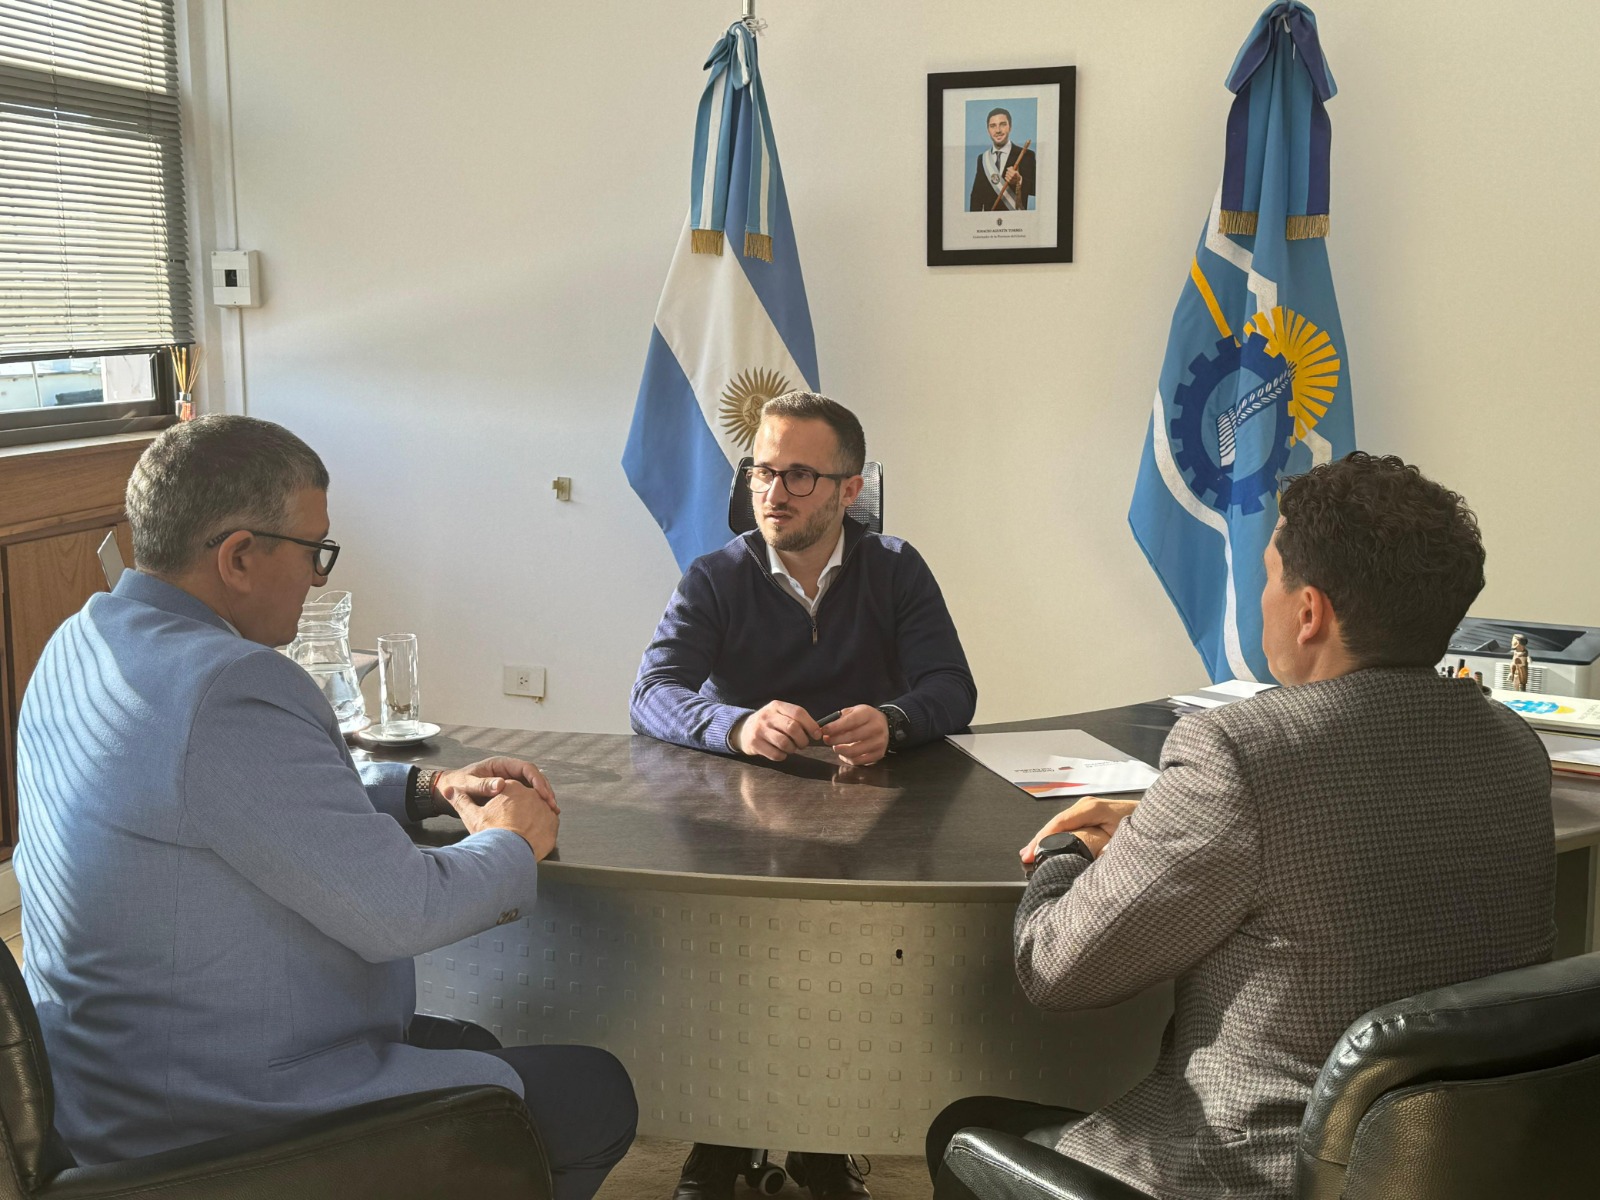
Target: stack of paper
<point>1572,755</point>
<point>1057,762</point>
<point>1218,694</point>
<point>1560,714</point>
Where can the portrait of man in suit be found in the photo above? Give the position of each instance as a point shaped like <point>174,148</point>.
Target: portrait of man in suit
<point>1005,175</point>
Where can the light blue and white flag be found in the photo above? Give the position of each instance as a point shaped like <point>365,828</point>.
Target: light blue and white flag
<point>732,329</point>
<point>1256,386</point>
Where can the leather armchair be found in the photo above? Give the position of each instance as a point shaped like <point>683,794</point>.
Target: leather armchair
<point>1478,1091</point>
<point>985,1164</point>
<point>473,1141</point>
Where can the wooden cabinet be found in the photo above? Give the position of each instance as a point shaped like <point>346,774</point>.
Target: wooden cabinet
<point>56,504</point>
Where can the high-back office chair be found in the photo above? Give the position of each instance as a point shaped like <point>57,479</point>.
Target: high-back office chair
<point>465,1141</point>
<point>868,508</point>
<point>1480,1091</point>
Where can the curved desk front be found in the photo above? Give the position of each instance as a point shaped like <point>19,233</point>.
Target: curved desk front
<point>795,955</point>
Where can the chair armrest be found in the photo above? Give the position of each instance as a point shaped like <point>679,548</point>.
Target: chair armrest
<point>470,1141</point>
<point>984,1164</point>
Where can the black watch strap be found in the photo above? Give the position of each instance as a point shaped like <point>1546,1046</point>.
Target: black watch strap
<point>1061,843</point>
<point>899,725</point>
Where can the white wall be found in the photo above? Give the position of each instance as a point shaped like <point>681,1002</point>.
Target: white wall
<point>465,214</point>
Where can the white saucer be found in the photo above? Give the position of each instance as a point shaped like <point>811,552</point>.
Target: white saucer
<point>384,735</point>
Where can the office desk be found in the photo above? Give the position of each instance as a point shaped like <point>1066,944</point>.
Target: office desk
<point>802,957</point>
<point>783,955</point>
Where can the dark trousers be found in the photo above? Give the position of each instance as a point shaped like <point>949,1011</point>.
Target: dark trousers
<point>1039,1123</point>
<point>580,1098</point>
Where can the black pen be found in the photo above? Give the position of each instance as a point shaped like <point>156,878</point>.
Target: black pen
<point>830,718</point>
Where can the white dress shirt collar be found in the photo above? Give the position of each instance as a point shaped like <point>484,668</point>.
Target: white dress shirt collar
<point>781,574</point>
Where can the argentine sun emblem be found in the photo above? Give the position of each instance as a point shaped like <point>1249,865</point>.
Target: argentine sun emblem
<point>1232,442</point>
<point>742,400</point>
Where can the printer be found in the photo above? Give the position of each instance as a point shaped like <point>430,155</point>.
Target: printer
<point>1563,657</point>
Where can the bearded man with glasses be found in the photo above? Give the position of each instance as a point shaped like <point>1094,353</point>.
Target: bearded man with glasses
<point>808,617</point>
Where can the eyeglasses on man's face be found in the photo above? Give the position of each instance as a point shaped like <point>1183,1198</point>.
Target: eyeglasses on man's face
<point>327,552</point>
<point>799,482</point>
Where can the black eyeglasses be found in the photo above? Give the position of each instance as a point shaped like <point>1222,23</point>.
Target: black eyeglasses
<point>322,563</point>
<point>797,481</point>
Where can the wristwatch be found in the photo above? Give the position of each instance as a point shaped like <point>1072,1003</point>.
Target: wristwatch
<point>1061,843</point>
<point>420,801</point>
<point>899,725</point>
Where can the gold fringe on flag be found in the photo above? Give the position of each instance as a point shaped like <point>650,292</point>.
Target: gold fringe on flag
<point>1312,225</point>
<point>1229,221</point>
<point>758,245</point>
<point>705,241</point>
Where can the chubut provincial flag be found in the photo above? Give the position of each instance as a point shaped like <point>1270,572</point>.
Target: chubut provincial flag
<point>732,329</point>
<point>1256,384</point>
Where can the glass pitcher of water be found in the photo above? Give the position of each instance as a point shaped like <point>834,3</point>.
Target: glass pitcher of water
<point>322,647</point>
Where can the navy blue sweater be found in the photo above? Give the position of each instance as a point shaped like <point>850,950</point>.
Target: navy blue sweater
<point>734,638</point>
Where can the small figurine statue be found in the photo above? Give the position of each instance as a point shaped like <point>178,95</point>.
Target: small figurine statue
<point>1517,677</point>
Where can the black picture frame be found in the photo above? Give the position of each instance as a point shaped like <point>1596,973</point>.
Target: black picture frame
<point>956,238</point>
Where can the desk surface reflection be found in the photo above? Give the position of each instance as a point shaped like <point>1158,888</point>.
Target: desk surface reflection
<point>930,819</point>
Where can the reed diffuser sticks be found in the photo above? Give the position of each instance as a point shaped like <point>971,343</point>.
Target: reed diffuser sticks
<point>186,373</point>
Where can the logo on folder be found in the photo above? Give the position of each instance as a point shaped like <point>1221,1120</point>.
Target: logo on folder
<point>1246,404</point>
<point>1538,708</point>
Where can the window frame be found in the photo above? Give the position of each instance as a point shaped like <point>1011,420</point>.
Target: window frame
<point>44,424</point>
<point>56,423</point>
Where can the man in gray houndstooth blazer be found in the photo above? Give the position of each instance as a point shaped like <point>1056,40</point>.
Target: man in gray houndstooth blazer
<point>1365,832</point>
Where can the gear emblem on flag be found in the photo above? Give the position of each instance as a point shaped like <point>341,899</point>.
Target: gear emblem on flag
<point>1211,479</point>
<point>1297,368</point>
<point>742,400</point>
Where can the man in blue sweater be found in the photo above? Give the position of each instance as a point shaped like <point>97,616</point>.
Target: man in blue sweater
<point>806,616</point>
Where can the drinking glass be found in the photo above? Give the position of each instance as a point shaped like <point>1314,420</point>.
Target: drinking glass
<point>397,683</point>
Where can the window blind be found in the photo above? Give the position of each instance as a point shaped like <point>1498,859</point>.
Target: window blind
<point>93,248</point>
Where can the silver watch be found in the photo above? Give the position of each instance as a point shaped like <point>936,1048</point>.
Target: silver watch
<point>420,802</point>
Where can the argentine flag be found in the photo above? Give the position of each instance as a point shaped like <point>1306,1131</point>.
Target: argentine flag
<point>732,329</point>
<point>1256,384</point>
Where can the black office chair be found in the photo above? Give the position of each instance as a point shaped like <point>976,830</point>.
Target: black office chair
<point>868,508</point>
<point>1481,1091</point>
<point>465,1141</point>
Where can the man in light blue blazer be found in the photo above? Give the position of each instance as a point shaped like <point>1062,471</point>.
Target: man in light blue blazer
<point>219,909</point>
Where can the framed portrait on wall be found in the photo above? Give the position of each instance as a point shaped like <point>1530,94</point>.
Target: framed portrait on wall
<point>1000,166</point>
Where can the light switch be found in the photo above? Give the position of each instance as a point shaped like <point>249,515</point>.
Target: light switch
<point>235,278</point>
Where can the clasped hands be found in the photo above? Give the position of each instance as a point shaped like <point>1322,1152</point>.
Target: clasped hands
<point>860,735</point>
<point>503,793</point>
<point>1094,819</point>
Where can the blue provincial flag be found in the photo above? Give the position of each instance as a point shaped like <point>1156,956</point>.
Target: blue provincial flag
<point>1255,387</point>
<point>732,329</point>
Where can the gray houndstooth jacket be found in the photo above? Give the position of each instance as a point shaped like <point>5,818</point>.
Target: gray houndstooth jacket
<point>1304,856</point>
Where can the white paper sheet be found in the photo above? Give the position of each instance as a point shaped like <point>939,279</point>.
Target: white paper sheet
<point>1218,694</point>
<point>1576,751</point>
<point>1057,762</point>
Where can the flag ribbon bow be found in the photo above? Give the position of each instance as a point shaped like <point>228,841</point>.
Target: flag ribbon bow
<point>1261,69</point>
<point>734,82</point>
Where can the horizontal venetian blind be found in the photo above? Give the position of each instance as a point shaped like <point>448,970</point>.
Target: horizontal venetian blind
<point>93,249</point>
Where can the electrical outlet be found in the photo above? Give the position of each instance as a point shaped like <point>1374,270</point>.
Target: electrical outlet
<point>524,681</point>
